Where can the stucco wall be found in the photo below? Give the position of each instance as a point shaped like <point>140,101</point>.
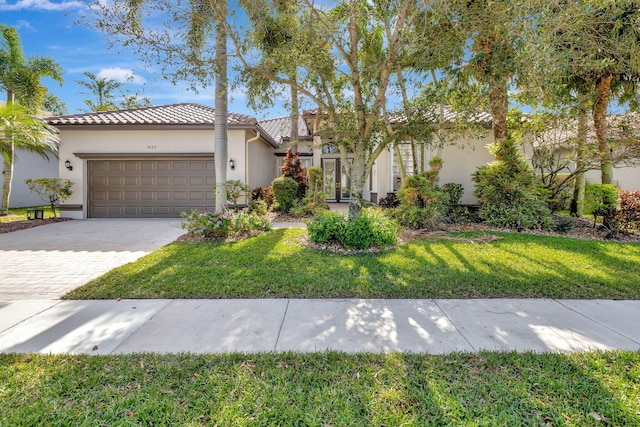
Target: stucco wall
<point>143,141</point>
<point>30,165</point>
<point>624,178</point>
<point>461,160</point>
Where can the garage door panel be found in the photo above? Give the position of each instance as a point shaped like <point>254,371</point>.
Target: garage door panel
<point>131,195</point>
<point>149,188</point>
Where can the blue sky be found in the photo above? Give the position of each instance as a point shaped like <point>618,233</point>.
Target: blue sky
<point>47,28</point>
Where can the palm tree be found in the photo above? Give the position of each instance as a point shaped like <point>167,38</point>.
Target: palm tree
<point>201,17</point>
<point>102,88</point>
<point>20,78</point>
<point>18,128</point>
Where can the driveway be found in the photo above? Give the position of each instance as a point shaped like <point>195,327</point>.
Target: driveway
<point>48,261</point>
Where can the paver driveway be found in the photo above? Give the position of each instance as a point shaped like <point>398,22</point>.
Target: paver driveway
<point>46,262</point>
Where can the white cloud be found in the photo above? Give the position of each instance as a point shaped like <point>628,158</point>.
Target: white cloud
<point>22,24</point>
<point>122,75</point>
<point>41,5</point>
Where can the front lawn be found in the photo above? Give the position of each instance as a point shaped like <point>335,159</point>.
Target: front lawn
<point>278,265</point>
<point>322,389</point>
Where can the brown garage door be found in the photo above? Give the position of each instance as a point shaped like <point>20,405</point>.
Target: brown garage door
<point>149,188</point>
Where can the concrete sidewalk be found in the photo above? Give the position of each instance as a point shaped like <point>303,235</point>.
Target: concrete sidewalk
<point>266,325</point>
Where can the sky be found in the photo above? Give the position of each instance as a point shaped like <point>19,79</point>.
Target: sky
<point>47,28</point>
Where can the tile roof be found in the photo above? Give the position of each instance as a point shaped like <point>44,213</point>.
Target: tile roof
<point>280,128</point>
<point>432,115</point>
<point>173,114</point>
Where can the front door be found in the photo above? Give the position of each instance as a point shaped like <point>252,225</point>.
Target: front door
<point>337,184</point>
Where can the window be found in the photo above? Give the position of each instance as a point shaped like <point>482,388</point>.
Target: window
<point>422,151</point>
<point>305,162</point>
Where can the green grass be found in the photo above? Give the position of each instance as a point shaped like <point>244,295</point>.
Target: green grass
<point>277,265</point>
<point>20,214</point>
<point>322,389</point>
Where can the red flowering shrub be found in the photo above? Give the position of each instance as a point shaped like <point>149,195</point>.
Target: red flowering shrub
<point>629,209</point>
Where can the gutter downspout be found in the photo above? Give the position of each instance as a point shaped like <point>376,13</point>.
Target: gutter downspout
<point>246,159</point>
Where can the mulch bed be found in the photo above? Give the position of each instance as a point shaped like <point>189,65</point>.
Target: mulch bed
<point>8,227</point>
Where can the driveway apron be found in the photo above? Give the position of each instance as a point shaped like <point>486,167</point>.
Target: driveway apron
<point>48,261</point>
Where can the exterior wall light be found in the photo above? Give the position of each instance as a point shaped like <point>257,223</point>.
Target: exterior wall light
<point>67,164</point>
<point>232,164</point>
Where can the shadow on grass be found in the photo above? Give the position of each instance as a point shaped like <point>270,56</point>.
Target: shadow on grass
<point>277,265</point>
<point>290,389</point>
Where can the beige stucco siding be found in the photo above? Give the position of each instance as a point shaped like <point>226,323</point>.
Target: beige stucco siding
<point>150,142</point>
<point>262,160</point>
<point>461,160</point>
<point>625,178</point>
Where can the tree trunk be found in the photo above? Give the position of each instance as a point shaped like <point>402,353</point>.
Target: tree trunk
<point>600,105</point>
<point>577,203</point>
<point>295,113</point>
<point>499,101</point>
<point>7,171</point>
<point>221,112</point>
<point>7,177</point>
<point>359,175</point>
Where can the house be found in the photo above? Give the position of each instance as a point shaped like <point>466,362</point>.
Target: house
<point>158,161</point>
<point>154,161</point>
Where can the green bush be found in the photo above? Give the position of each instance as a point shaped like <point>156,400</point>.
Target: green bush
<point>285,192</point>
<point>602,200</point>
<point>263,193</point>
<point>371,228</point>
<point>236,189</point>
<point>417,218</point>
<point>423,202</point>
<point>326,227</point>
<point>224,223</point>
<point>258,207</point>
<point>508,191</point>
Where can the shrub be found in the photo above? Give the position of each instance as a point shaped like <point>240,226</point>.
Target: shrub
<point>629,211</point>
<point>423,202</point>
<point>391,201</point>
<point>210,225</point>
<point>293,169</point>
<point>316,184</point>
<point>258,207</point>
<point>285,191</point>
<point>244,221</point>
<point>601,200</point>
<point>326,227</point>
<point>224,223</point>
<point>306,207</point>
<point>454,212</point>
<point>417,218</point>
<point>51,190</point>
<point>370,228</point>
<point>507,191</point>
<point>236,189</point>
<point>263,193</point>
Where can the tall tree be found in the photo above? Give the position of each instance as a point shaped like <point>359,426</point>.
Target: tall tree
<point>595,47</point>
<point>20,129</point>
<point>20,78</point>
<point>179,37</point>
<point>494,31</point>
<point>103,89</point>
<point>355,48</point>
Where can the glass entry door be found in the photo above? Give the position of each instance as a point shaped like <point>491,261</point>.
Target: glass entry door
<point>337,184</point>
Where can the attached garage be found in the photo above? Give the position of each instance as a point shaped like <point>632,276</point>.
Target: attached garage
<point>155,162</point>
<point>149,188</point>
